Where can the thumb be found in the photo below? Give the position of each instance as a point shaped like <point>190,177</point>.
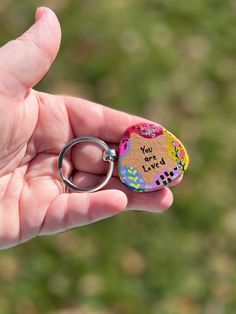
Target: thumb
<point>24,61</point>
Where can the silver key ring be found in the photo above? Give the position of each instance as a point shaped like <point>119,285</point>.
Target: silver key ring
<point>108,155</point>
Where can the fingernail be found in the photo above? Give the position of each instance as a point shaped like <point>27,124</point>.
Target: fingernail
<point>119,200</point>
<point>39,13</point>
<point>166,200</point>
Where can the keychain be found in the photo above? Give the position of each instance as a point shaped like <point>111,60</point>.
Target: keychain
<point>149,158</point>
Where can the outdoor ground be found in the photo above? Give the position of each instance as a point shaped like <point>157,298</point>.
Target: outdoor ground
<point>175,63</point>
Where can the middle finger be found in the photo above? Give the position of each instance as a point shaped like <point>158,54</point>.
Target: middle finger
<point>88,157</point>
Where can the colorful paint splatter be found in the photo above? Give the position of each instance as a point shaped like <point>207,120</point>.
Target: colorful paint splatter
<point>150,157</point>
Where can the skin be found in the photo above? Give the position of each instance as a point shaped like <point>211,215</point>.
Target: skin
<point>34,127</point>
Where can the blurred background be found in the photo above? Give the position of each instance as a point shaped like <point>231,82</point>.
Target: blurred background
<point>175,63</point>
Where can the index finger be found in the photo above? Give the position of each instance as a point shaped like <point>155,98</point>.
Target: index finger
<point>91,119</point>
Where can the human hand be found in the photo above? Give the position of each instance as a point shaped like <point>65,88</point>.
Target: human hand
<point>34,127</point>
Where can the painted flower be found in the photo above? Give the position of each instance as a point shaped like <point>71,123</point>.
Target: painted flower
<point>181,153</point>
<point>151,130</point>
<point>176,143</point>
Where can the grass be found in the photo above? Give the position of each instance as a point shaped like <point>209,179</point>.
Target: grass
<point>173,62</point>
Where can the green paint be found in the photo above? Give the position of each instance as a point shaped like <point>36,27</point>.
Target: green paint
<point>135,179</point>
<point>136,186</point>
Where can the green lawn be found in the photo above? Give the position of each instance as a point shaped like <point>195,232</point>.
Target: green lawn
<point>175,63</point>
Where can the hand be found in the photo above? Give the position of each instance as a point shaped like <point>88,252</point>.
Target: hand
<point>34,127</point>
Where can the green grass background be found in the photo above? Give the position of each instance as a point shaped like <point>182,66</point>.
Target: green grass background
<point>175,63</point>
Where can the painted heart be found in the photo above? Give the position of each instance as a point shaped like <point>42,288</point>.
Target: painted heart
<point>150,157</point>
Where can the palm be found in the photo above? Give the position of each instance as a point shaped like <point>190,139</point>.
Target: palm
<point>34,127</point>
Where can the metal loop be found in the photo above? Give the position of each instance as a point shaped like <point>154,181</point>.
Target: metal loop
<point>109,155</point>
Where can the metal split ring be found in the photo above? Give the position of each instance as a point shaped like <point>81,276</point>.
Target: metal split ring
<point>109,155</point>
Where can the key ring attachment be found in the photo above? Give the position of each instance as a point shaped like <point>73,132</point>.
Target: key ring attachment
<point>109,155</point>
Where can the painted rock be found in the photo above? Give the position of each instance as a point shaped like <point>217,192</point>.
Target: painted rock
<point>150,157</point>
